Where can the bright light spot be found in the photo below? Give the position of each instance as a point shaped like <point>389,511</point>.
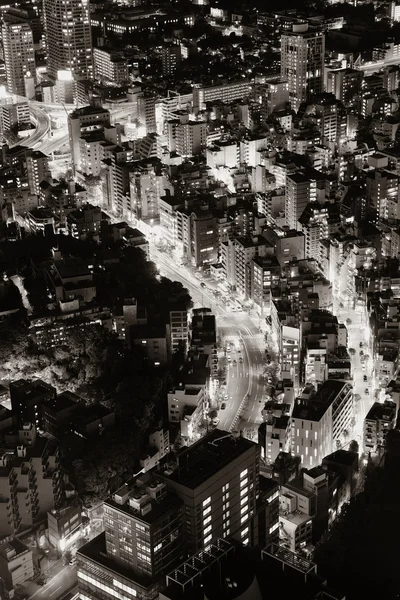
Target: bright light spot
<point>64,75</point>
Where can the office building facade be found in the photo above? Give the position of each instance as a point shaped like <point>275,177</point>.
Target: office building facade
<point>302,63</point>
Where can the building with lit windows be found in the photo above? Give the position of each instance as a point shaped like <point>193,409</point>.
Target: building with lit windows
<point>82,124</point>
<point>144,525</point>
<point>383,194</point>
<point>19,56</point>
<point>68,37</point>
<point>379,420</point>
<point>170,59</point>
<point>301,189</point>
<point>110,66</point>
<point>302,63</point>
<point>319,419</point>
<point>27,398</point>
<point>217,478</point>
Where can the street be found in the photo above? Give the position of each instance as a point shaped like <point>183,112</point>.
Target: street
<point>359,333</point>
<point>63,579</point>
<point>244,388</point>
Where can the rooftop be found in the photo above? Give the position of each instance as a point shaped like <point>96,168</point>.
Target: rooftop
<point>95,551</point>
<point>313,409</point>
<point>206,458</point>
<point>145,498</point>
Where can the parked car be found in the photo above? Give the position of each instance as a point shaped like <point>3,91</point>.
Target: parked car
<point>215,422</point>
<point>366,390</point>
<point>365,378</point>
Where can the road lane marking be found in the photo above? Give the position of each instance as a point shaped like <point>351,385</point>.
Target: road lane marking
<point>56,590</point>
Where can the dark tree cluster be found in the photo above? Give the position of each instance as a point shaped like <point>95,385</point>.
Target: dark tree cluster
<point>92,361</point>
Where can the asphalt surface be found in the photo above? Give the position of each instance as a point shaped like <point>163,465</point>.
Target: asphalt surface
<point>359,333</point>
<point>244,388</point>
<point>61,579</point>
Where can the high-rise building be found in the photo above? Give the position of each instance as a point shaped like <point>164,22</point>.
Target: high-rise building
<point>217,479</point>
<point>302,188</point>
<point>171,58</point>
<point>83,123</point>
<point>302,63</point>
<point>68,37</point>
<point>144,525</point>
<point>19,56</point>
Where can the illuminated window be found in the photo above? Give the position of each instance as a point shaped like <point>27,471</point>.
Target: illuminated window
<point>243,473</point>
<point>244,491</point>
<point>207,501</point>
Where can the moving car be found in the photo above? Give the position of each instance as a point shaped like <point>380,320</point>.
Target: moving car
<point>215,422</point>
<point>366,390</point>
<point>365,378</point>
<point>223,406</point>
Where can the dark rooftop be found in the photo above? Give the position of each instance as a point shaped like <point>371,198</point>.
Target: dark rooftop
<point>207,457</point>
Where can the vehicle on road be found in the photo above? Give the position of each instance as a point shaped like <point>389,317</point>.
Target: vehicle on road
<point>365,378</point>
<point>361,344</point>
<point>223,406</point>
<point>234,362</point>
<point>72,562</point>
<point>240,359</point>
<point>366,390</point>
<point>215,422</point>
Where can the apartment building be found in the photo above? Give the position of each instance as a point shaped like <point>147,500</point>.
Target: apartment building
<point>82,124</point>
<point>203,337</point>
<point>274,432</point>
<point>188,405</point>
<point>31,482</point>
<point>319,419</point>
<point>179,328</point>
<point>16,563</point>
<point>285,327</point>
<point>323,339</point>
<point>226,93</point>
<point>265,275</point>
<point>27,397</point>
<point>380,419</point>
<point>110,66</point>
<point>238,254</point>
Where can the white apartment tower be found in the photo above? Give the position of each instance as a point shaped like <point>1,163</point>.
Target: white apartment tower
<point>68,37</point>
<point>19,55</point>
<point>302,63</point>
